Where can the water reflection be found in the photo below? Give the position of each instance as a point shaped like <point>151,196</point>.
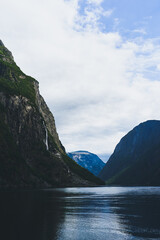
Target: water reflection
<point>111,213</point>
<point>139,213</point>
<point>29,215</point>
<point>81,214</point>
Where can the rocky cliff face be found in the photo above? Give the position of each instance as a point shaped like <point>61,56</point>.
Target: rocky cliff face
<point>31,153</point>
<point>88,160</point>
<point>136,159</point>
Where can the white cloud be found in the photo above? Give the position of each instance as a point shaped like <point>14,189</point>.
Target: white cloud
<point>90,19</point>
<point>158,67</point>
<point>141,31</point>
<point>95,83</point>
<point>97,2</point>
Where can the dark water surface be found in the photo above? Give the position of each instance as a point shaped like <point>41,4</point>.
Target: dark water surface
<point>101,213</point>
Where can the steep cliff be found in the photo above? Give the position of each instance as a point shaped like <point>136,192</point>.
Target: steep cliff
<point>136,158</point>
<point>31,153</point>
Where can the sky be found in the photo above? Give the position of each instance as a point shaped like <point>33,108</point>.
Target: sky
<point>97,63</point>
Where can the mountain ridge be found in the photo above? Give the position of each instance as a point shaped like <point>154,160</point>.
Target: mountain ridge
<point>88,160</point>
<point>136,158</point>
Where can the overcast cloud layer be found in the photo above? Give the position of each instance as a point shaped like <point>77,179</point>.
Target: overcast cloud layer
<point>98,84</point>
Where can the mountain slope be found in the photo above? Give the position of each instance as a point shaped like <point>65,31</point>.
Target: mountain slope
<point>88,160</point>
<point>136,159</point>
<point>31,153</point>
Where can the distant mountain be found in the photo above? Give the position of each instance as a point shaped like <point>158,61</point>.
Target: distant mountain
<point>31,154</point>
<point>88,160</point>
<point>136,158</point>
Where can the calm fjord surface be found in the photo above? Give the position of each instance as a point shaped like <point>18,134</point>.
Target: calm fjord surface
<point>81,214</point>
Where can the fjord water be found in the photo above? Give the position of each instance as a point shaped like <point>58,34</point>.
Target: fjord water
<point>101,213</point>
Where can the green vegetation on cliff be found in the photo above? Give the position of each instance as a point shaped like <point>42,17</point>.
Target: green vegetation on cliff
<point>14,82</point>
